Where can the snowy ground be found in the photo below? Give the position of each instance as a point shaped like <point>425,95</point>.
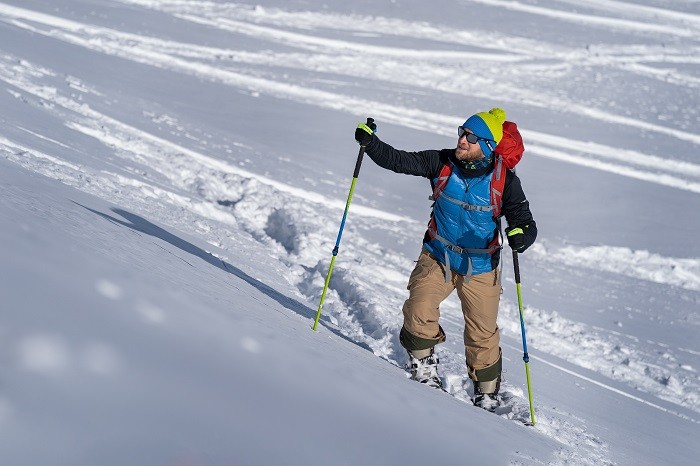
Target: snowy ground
<point>173,174</point>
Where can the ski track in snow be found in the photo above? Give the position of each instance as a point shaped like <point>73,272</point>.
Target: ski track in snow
<point>686,25</point>
<point>205,62</point>
<point>609,354</point>
<point>680,272</point>
<point>222,200</point>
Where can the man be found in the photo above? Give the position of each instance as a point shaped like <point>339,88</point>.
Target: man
<point>461,249</point>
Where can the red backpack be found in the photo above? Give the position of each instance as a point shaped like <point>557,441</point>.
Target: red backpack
<point>508,153</point>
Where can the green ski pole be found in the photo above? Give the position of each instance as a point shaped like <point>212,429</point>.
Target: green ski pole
<point>526,357</point>
<point>370,121</point>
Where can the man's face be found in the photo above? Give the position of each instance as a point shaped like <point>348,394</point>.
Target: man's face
<point>467,151</point>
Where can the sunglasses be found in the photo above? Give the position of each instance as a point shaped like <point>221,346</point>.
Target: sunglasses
<point>471,137</point>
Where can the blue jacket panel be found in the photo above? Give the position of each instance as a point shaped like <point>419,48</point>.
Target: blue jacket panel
<point>473,229</point>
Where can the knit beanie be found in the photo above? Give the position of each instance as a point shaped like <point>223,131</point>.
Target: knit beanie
<point>487,125</point>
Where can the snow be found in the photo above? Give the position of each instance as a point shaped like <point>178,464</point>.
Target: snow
<point>172,178</point>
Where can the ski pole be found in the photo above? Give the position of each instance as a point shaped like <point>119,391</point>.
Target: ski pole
<point>526,357</point>
<point>370,121</point>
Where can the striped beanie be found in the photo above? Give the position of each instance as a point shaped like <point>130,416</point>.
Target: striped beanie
<point>487,125</point>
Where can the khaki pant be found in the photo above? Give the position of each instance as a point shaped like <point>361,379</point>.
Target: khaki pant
<point>479,297</point>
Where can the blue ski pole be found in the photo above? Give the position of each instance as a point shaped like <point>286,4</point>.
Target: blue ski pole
<point>526,357</point>
<point>358,164</point>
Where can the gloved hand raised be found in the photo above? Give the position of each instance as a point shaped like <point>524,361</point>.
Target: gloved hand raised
<point>516,238</point>
<point>364,132</point>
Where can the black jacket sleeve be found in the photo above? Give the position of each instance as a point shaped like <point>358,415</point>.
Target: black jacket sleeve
<point>428,163</point>
<point>425,163</point>
<point>516,208</point>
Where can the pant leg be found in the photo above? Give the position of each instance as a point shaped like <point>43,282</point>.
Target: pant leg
<point>480,297</point>
<point>421,311</point>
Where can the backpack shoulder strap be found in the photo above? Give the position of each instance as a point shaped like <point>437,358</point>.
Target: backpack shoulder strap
<point>498,183</point>
<point>441,182</point>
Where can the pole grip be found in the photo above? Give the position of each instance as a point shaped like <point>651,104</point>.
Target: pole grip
<point>516,266</point>
<point>358,164</point>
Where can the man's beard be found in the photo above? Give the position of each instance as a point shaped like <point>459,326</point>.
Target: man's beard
<point>465,156</point>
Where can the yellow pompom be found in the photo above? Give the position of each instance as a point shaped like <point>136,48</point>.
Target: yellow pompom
<point>487,125</point>
<point>499,114</point>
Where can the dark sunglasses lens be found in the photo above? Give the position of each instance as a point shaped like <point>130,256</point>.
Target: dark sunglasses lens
<point>471,137</point>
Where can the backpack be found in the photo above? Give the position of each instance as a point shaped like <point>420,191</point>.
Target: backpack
<point>508,153</point>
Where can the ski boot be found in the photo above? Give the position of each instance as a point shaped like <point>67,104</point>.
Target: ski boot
<point>486,394</point>
<point>423,367</point>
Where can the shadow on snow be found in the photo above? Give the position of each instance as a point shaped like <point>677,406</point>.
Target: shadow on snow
<point>142,225</point>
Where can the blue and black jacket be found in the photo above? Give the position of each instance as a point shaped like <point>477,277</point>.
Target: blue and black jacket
<point>470,229</point>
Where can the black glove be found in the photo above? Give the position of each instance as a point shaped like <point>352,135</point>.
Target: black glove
<point>516,238</point>
<point>364,132</point>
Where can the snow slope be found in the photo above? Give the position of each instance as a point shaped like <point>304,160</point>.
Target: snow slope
<point>173,176</point>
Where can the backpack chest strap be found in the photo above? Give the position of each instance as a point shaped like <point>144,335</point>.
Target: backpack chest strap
<point>462,251</point>
<point>466,206</point>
